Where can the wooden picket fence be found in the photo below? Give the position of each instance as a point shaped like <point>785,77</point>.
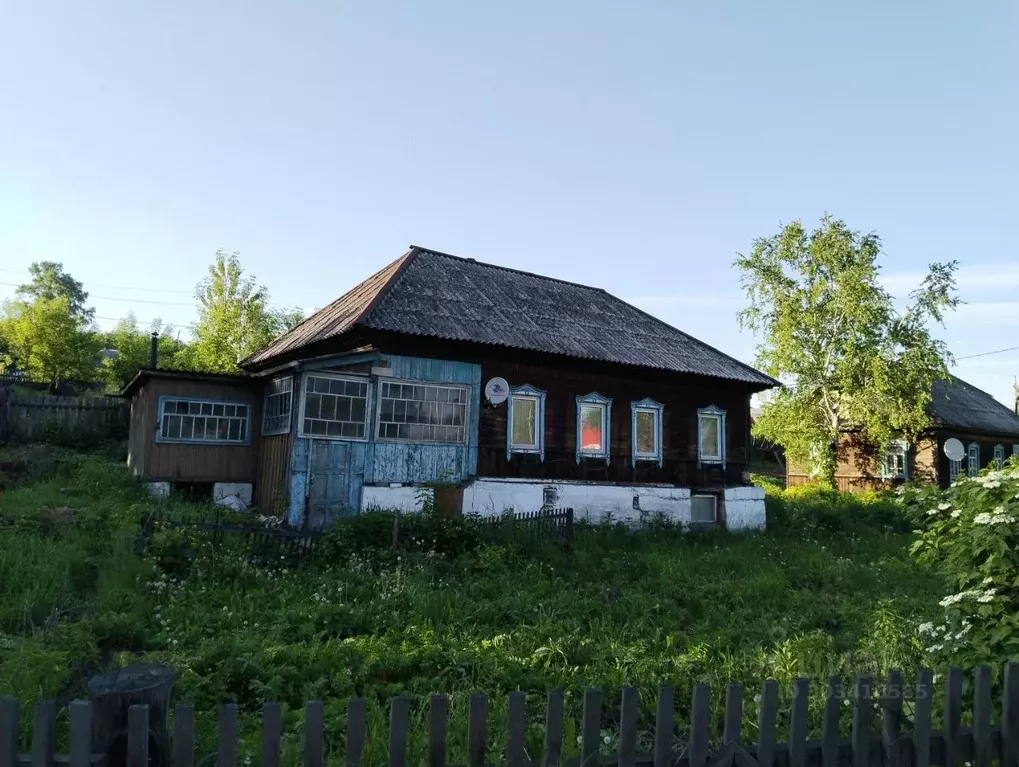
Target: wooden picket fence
<point>38,417</point>
<point>981,744</point>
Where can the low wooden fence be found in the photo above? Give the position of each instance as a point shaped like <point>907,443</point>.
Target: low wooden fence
<point>41,417</point>
<point>556,526</point>
<point>895,741</point>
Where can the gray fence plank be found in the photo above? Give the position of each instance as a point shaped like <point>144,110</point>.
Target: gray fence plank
<point>922,707</point>
<point>553,728</point>
<point>628,727</point>
<point>830,727</point>
<point>665,723</point>
<point>982,716</point>
<point>798,723</point>
<point>700,725</point>
<point>732,729</point>
<point>517,730</point>
<point>766,717</point>
<point>357,731</point>
<point>953,716</point>
<point>272,734</point>
<point>863,712</point>
<point>9,731</point>
<point>438,719</point>
<point>590,740</point>
<point>1010,717</point>
<point>138,736</point>
<point>399,723</point>
<point>79,736</point>
<point>227,735</point>
<point>891,725</point>
<point>183,749</point>
<point>476,723</point>
<point>44,733</point>
<point>314,734</point>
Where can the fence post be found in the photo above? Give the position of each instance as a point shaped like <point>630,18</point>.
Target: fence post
<point>272,732</point>
<point>590,742</point>
<point>1010,717</point>
<point>399,721</point>
<point>922,717</point>
<point>44,733</point>
<point>9,726</point>
<point>664,722</point>
<point>80,735</point>
<point>138,735</point>
<point>356,731</point>
<point>314,718</point>
<point>476,731</point>
<point>982,751</point>
<point>438,716</point>
<point>830,733</point>
<point>517,730</point>
<point>767,714</point>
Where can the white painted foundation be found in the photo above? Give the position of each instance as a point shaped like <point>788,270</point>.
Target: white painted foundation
<point>744,508</point>
<point>225,491</point>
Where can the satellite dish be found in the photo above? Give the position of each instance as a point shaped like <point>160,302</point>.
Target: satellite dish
<point>954,449</point>
<point>496,391</point>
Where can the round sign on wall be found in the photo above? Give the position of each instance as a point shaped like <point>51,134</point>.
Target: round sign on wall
<point>954,449</point>
<point>496,391</point>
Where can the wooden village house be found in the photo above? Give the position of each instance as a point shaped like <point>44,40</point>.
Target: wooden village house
<point>988,430</point>
<point>511,390</point>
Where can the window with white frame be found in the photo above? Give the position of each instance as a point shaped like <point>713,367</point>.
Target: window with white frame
<point>334,406</point>
<point>711,435</point>
<point>1015,449</point>
<point>999,456</point>
<point>704,509</point>
<point>594,415</point>
<point>182,419</point>
<point>646,431</point>
<point>525,421</point>
<point>422,412</point>
<point>974,458</point>
<point>954,469</point>
<point>279,394</point>
<point>893,462</point>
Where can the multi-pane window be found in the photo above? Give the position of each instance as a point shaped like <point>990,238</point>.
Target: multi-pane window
<point>646,430</point>
<point>334,407</point>
<point>422,412</point>
<point>893,463</point>
<point>593,419</point>
<point>525,421</point>
<point>974,459</point>
<point>999,456</point>
<point>954,469</point>
<point>191,420</point>
<point>279,394</point>
<point>711,435</point>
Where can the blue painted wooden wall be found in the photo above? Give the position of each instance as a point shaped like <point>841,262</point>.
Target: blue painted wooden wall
<point>327,475</point>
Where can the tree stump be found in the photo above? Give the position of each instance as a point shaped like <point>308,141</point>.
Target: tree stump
<point>113,693</point>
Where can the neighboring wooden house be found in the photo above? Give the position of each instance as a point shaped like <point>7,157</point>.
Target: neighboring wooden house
<point>383,391</point>
<point>988,429</point>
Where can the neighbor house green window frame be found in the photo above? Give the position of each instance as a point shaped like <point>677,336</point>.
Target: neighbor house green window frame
<point>999,456</point>
<point>711,435</point>
<point>198,421</point>
<point>895,461</point>
<point>525,422</point>
<point>646,431</point>
<point>594,417</point>
<point>973,456</point>
<point>954,469</point>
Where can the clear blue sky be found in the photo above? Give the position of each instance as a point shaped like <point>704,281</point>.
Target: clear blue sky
<point>635,146</point>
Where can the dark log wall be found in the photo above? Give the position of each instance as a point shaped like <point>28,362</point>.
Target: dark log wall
<point>680,396</point>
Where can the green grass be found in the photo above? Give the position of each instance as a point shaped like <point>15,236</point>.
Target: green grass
<point>830,590</point>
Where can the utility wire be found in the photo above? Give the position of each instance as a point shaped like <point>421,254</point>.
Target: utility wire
<point>112,287</point>
<point>986,354</point>
<point>126,300</point>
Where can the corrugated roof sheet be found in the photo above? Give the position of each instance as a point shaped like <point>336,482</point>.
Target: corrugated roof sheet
<point>442,296</point>
<point>961,405</point>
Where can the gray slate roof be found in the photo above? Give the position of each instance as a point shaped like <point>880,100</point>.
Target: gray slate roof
<point>434,294</point>
<point>960,405</point>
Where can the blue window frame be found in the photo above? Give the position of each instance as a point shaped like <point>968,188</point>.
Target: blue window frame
<point>711,435</point>
<point>999,456</point>
<point>594,417</point>
<point>277,405</point>
<point>646,431</point>
<point>186,420</point>
<point>894,463</point>
<point>525,422</point>
<point>974,458</point>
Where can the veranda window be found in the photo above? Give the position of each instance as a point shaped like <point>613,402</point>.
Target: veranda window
<point>183,419</point>
<point>415,411</point>
<point>334,406</point>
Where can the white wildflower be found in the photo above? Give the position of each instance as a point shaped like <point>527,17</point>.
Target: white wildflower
<point>932,512</point>
<point>925,628</point>
<point>986,581</point>
<point>944,506</point>
<point>956,513</point>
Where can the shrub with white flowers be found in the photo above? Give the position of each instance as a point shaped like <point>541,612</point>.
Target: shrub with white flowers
<point>970,532</point>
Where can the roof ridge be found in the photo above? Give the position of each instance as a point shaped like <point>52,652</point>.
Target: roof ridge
<point>421,248</point>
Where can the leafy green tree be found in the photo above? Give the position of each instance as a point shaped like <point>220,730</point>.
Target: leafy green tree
<point>50,281</point>
<point>130,347</point>
<point>235,318</point>
<point>49,341</point>
<point>832,333</point>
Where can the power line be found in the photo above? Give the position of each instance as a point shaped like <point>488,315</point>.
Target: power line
<point>985,354</point>
<point>112,287</point>
<point>125,300</point>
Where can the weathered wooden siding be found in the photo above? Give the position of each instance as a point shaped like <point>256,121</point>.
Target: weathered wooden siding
<point>180,462</point>
<point>140,432</point>
<point>420,462</point>
<point>682,397</point>
<point>272,486</point>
